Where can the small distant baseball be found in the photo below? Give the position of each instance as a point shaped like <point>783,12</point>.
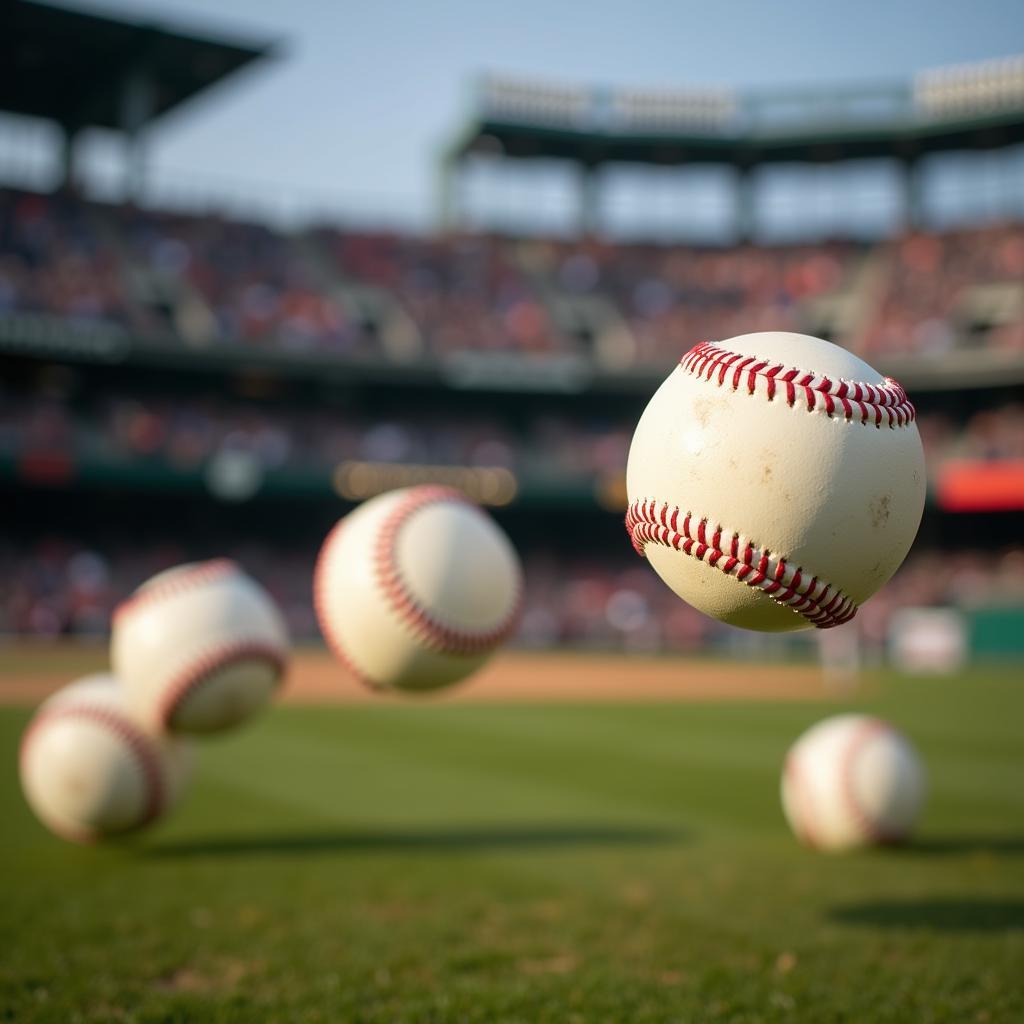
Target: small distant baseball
<point>90,772</point>
<point>852,781</point>
<point>416,588</point>
<point>775,481</point>
<point>199,648</point>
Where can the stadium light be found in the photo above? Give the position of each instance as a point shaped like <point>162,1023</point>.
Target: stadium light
<point>981,87</point>
<point>511,99</point>
<point>673,110</point>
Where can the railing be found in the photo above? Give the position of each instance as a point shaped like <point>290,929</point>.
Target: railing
<point>945,93</point>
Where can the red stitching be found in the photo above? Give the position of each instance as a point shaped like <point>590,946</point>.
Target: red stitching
<point>820,603</point>
<point>185,579</point>
<point>434,634</point>
<point>199,672</point>
<point>870,828</point>
<point>884,404</point>
<point>320,606</point>
<point>136,740</point>
<point>429,631</point>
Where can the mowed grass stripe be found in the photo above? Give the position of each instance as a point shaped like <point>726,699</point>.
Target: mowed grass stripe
<point>426,772</point>
<point>405,863</point>
<point>485,762</point>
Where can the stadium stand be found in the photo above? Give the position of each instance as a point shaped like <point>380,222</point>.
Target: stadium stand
<point>207,280</point>
<point>941,291</point>
<point>186,432</point>
<point>207,373</point>
<point>206,284</point>
<point>62,587</point>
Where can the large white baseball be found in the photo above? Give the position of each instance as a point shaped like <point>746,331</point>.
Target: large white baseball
<point>199,648</point>
<point>775,481</point>
<point>852,780</point>
<point>89,770</point>
<point>416,588</point>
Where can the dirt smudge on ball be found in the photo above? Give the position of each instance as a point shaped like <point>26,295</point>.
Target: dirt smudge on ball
<point>704,409</point>
<point>880,509</point>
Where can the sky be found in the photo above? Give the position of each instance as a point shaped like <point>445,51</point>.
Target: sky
<point>364,96</point>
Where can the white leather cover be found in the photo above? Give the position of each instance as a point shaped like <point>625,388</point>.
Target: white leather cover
<point>89,771</point>
<point>832,495</point>
<point>199,648</point>
<point>852,780</point>
<point>416,588</point>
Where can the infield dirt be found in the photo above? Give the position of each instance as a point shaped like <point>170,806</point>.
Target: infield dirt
<point>29,673</point>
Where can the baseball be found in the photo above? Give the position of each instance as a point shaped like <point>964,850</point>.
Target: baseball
<point>198,648</point>
<point>852,780</point>
<point>775,481</point>
<point>416,588</point>
<point>89,771</point>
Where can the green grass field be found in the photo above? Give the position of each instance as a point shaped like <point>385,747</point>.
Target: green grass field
<point>540,863</point>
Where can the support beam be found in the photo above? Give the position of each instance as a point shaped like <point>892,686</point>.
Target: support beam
<point>66,156</point>
<point>589,222</point>
<point>137,107</point>
<point>914,215</point>
<point>746,205</point>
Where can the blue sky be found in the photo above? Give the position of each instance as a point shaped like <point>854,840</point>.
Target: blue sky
<point>364,96</point>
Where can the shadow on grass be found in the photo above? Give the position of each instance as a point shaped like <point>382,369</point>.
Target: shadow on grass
<point>936,915</point>
<point>940,846</point>
<point>426,840</point>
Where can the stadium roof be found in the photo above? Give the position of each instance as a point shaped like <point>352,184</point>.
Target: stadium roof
<point>72,67</point>
<point>817,145</point>
<point>978,106</point>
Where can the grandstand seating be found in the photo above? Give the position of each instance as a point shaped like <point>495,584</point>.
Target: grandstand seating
<point>206,280</point>
<point>208,284</point>
<point>184,432</point>
<point>63,586</point>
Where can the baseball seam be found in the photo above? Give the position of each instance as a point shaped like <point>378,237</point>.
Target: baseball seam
<point>880,405</point>
<point>821,603</point>
<point>198,672</point>
<point>134,739</point>
<point>434,635</point>
<point>184,580</point>
<point>854,808</point>
<point>331,635</point>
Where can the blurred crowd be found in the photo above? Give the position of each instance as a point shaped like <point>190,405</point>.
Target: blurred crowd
<point>186,433</point>
<point>61,588</point>
<point>54,260</point>
<point>945,579</point>
<point>673,296</point>
<point>463,292</point>
<point>207,280</point>
<point>989,435</point>
<point>939,292</point>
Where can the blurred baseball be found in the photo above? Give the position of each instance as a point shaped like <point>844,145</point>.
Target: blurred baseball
<point>775,481</point>
<point>89,770</point>
<point>416,588</point>
<point>199,648</point>
<point>852,780</point>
